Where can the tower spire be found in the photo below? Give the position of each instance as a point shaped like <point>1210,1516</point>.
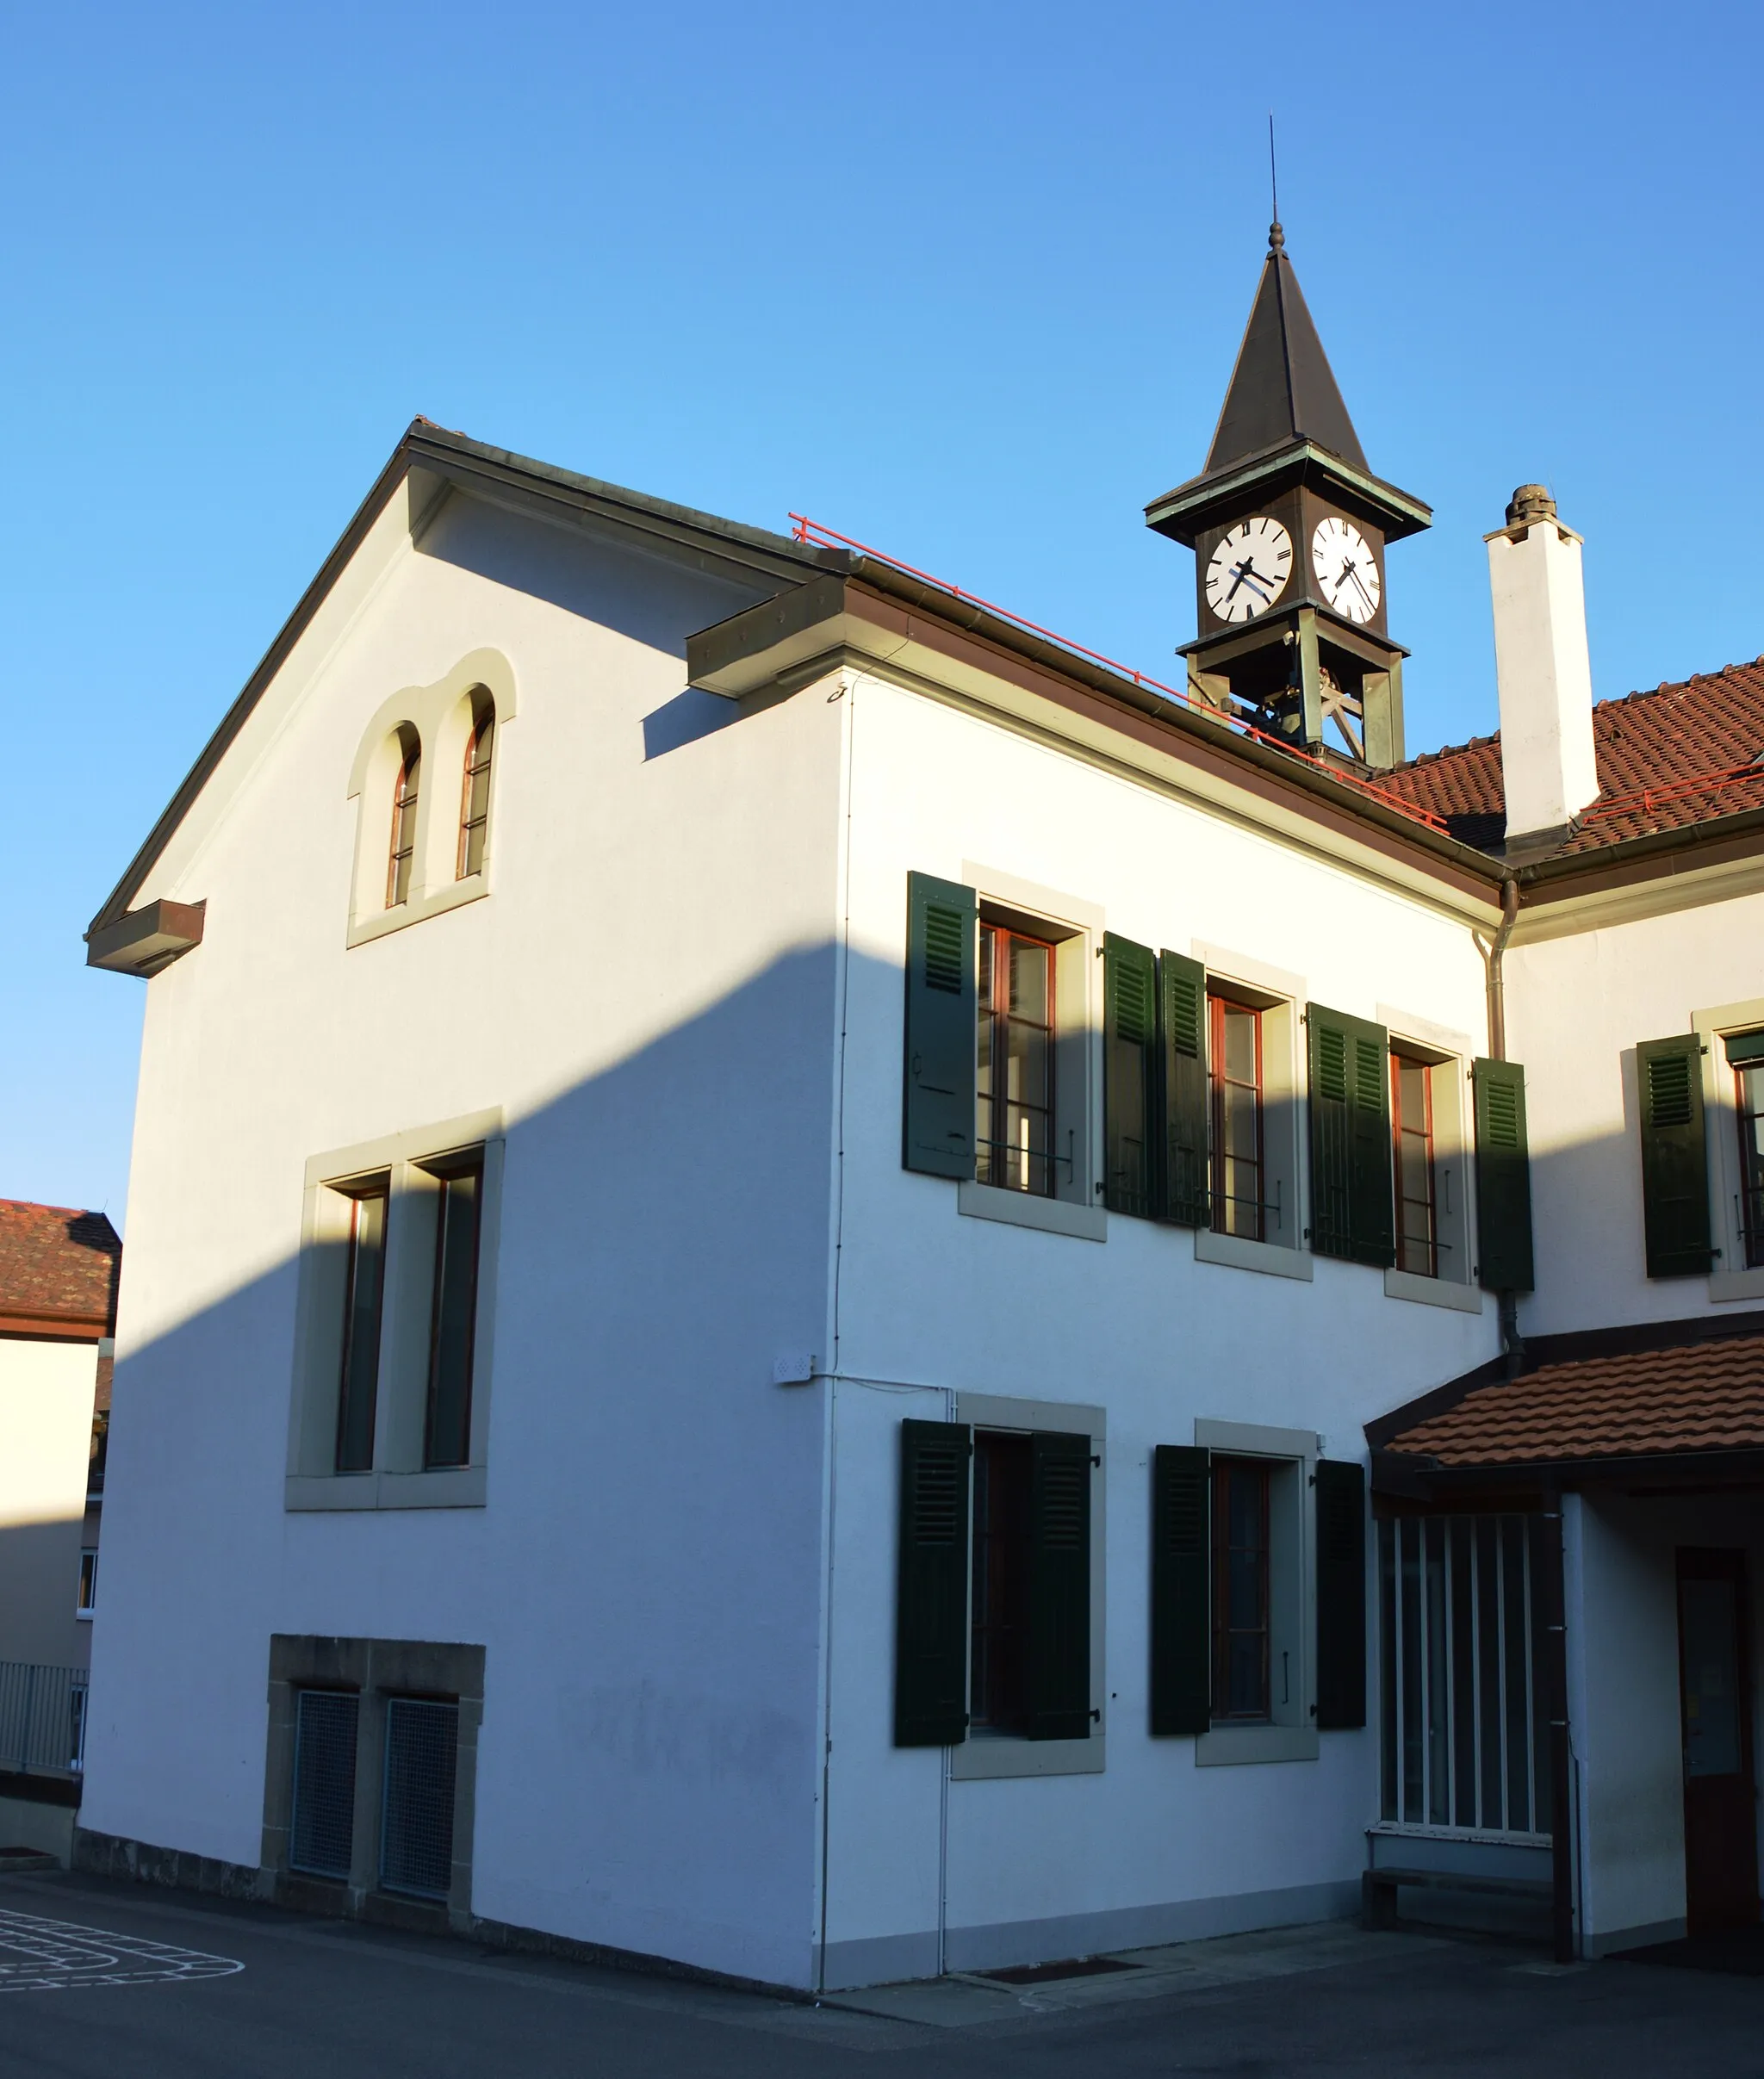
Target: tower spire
<point>1282,388</point>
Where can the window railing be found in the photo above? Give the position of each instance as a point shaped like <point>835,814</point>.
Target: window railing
<point>1460,1641</point>
<point>42,1718</point>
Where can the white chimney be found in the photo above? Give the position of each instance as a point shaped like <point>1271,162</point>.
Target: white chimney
<point>1545,678</point>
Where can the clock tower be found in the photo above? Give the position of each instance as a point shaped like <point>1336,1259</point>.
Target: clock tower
<point>1289,527</point>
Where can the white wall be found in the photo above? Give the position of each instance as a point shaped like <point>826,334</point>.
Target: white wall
<point>934,1301</point>
<point>1625,1701</point>
<point>648,993</point>
<point>46,1442</point>
<point>1576,1007</point>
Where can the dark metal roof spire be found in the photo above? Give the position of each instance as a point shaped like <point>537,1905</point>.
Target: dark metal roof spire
<point>1282,388</point>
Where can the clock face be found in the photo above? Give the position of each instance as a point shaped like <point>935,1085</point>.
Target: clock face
<point>1249,569</point>
<point>1347,570</point>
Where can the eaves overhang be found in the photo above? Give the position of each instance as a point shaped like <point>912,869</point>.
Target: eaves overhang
<point>881,614</point>
<point>1185,512</point>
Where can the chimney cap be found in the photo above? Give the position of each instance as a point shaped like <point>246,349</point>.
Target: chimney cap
<point>1530,502</point>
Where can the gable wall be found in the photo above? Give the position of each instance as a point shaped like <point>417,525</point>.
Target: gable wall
<point>648,994</point>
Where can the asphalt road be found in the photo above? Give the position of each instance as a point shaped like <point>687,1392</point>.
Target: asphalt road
<point>120,1982</point>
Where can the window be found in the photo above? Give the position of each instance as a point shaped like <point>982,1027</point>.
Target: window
<point>1464,1743</point>
<point>395,1320</point>
<point>475,791</point>
<point>404,820</point>
<point>88,1582</point>
<point>1258,1593</point>
<point>322,1829</point>
<point>1240,1583</point>
<point>997,1689</point>
<point>1412,1145</point>
<point>1235,1055</point>
<point>1015,1062</point>
<point>999,1623</point>
<point>1745,1054</point>
<point>364,1298</point>
<point>416,1803</point>
<point>447,1430</point>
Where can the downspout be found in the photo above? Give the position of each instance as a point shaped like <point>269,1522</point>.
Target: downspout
<point>1561,1857</point>
<point>1492,951</point>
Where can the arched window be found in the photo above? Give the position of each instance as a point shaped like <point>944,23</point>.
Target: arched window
<point>404,819</point>
<point>475,791</point>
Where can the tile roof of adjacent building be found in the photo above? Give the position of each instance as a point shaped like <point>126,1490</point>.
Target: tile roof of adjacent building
<point>1680,755</point>
<point>1672,1388</point>
<point>58,1268</point>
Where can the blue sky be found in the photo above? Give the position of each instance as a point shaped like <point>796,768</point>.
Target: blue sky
<point>963,282</point>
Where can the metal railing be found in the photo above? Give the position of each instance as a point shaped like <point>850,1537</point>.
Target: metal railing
<point>42,1718</point>
<point>1464,1746</point>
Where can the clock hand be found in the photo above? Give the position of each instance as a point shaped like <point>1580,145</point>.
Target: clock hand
<point>1248,574</point>
<point>1354,574</point>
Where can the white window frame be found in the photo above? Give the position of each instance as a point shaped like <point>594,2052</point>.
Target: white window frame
<point>397,1477</point>
<point>1730,1279</point>
<point>1076,929</point>
<point>1291,1455</point>
<point>986,1756</point>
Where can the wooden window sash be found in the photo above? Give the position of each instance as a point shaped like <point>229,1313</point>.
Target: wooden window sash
<point>1226,1205</point>
<point>402,851</point>
<point>1003,1159</point>
<point>1751,1207</point>
<point>1418,1256</point>
<point>1227,1472</point>
<point>474,799</point>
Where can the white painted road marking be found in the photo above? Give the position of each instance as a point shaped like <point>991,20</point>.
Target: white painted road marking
<point>49,1956</point>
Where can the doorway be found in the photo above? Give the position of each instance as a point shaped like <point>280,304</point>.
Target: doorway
<point>1721,1813</point>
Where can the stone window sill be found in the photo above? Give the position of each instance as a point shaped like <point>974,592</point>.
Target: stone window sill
<point>431,903</point>
<point>1240,1253</point>
<point>1020,1209</point>
<point>988,1756</point>
<point>1725,1286</point>
<point>456,1487</point>
<point>1241,1746</point>
<point>1432,1292</point>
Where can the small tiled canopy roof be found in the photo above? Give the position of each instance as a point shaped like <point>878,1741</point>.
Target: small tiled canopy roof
<point>1701,1392</point>
<point>1679,756</point>
<point>59,1268</point>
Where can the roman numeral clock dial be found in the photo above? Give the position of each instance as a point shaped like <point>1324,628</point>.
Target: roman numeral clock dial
<point>1249,569</point>
<point>1347,570</point>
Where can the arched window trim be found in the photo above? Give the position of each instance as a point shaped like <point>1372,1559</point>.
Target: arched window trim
<point>475,790</point>
<point>401,851</point>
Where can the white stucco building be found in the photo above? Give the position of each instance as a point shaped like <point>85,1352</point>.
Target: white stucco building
<point>767,1211</point>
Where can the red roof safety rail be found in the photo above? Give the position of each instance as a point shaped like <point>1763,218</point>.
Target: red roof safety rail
<point>804,529</point>
<point>1642,800</point>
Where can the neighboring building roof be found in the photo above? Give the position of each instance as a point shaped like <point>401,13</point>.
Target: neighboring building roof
<point>1681,755</point>
<point>58,1268</point>
<point>1666,1389</point>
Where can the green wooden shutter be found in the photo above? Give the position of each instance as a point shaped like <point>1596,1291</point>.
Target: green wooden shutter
<point>1503,1178</point>
<point>1182,1608</point>
<point>1352,1213</point>
<point>931,1614</point>
<point>1059,1585</point>
<point>1674,1157</point>
<point>1374,1213</point>
<point>1341,1595</point>
<point>942,1028</point>
<point>1129,1038</point>
<point>1182,1022</point>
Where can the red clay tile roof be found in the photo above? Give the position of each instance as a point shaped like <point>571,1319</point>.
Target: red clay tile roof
<point>1679,756</point>
<point>1701,1396</point>
<point>58,1266</point>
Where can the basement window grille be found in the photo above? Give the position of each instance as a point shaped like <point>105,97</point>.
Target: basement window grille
<point>1464,1748</point>
<point>323,1782</point>
<point>416,1827</point>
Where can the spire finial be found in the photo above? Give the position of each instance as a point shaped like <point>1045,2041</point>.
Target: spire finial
<point>1277,237</point>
